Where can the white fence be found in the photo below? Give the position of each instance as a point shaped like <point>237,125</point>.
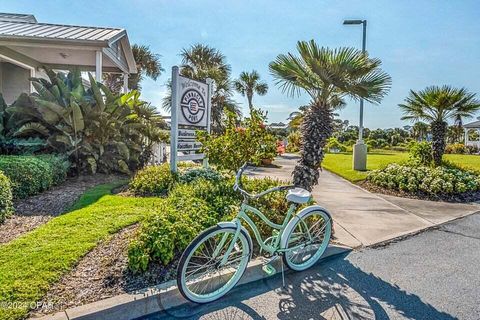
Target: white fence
<point>159,153</point>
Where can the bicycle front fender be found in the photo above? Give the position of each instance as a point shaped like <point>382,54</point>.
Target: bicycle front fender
<point>298,216</point>
<point>231,224</point>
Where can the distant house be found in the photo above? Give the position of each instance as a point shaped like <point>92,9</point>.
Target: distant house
<point>26,45</point>
<point>278,125</point>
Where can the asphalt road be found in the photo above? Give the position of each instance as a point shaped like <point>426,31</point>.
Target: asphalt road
<point>433,275</point>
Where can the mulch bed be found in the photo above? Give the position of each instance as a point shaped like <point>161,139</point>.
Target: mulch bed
<point>37,210</point>
<point>101,274</point>
<point>457,198</point>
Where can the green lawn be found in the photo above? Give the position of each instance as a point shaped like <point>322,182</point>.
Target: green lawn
<point>341,163</point>
<point>31,263</point>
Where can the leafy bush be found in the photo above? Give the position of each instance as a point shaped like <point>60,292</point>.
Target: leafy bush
<point>294,140</point>
<point>376,143</point>
<point>189,209</point>
<point>200,173</point>
<point>456,148</point>
<point>432,181</point>
<point>473,149</point>
<point>248,142</point>
<point>153,181</point>
<point>421,152</point>
<point>59,166</point>
<point>333,145</point>
<point>6,204</point>
<point>99,130</point>
<point>30,175</point>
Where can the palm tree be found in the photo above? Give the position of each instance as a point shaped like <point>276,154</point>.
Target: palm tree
<point>438,105</point>
<point>148,64</point>
<point>248,84</point>
<point>327,76</point>
<point>200,62</point>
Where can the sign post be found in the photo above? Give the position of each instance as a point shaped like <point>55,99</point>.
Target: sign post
<point>191,107</point>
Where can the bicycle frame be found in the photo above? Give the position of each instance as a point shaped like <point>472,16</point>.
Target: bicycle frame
<point>242,215</point>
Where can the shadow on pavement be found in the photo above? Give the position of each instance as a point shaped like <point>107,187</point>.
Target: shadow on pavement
<point>334,289</point>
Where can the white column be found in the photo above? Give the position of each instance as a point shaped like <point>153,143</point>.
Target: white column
<point>32,75</point>
<point>98,65</point>
<point>125,82</point>
<point>466,135</point>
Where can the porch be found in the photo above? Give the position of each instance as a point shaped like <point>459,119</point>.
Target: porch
<point>26,46</point>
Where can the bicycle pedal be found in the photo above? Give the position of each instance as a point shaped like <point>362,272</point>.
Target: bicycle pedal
<point>269,269</point>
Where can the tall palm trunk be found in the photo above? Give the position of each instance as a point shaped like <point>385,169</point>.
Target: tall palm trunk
<point>439,131</point>
<point>316,128</point>
<point>250,99</point>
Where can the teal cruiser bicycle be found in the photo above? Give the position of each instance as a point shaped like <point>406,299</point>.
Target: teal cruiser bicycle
<point>215,260</point>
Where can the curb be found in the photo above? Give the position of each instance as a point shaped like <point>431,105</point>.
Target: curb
<point>159,298</point>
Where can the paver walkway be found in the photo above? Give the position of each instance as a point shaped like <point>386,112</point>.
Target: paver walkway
<point>364,218</point>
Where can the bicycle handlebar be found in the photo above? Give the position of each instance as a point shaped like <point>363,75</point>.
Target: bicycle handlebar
<point>238,184</point>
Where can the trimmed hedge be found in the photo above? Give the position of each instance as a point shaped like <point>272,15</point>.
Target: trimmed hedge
<point>30,175</point>
<point>428,180</point>
<point>6,204</point>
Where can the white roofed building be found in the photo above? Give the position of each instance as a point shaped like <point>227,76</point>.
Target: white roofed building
<point>27,45</point>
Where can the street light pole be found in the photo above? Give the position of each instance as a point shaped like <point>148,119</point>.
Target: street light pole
<point>360,149</point>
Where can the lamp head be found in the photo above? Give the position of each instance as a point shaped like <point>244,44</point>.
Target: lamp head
<point>353,21</point>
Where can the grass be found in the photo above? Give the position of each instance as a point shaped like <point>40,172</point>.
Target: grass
<point>31,263</point>
<point>341,163</point>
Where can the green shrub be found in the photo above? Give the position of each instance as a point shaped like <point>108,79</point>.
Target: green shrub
<point>472,149</point>
<point>59,166</point>
<point>6,204</point>
<point>153,181</point>
<point>194,174</point>
<point>333,145</point>
<point>456,148</point>
<point>192,207</point>
<point>421,153</point>
<point>432,181</point>
<point>376,143</point>
<point>294,140</point>
<point>30,175</point>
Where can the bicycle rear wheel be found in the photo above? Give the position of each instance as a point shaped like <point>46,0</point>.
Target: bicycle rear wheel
<point>201,277</point>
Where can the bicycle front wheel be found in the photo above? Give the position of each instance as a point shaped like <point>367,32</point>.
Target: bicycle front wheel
<point>307,240</point>
<point>201,275</point>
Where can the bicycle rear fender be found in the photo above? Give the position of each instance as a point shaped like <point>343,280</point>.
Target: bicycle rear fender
<point>300,214</point>
<point>233,225</point>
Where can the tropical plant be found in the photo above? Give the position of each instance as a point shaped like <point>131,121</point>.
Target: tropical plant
<point>97,129</point>
<point>248,83</point>
<point>148,64</point>
<point>9,144</point>
<point>438,105</point>
<point>327,76</point>
<point>200,62</point>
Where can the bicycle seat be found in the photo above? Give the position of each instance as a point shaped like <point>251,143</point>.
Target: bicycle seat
<point>298,195</point>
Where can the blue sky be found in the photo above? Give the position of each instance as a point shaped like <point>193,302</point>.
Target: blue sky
<point>420,42</point>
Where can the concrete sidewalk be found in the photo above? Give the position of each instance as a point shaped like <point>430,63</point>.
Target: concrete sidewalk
<point>362,218</point>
